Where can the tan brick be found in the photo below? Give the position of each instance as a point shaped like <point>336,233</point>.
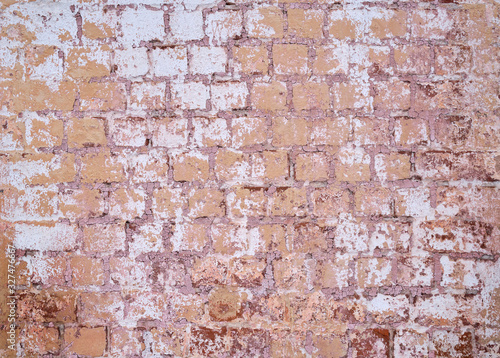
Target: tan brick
<point>270,165</point>
<point>104,237</point>
<point>371,131</point>
<point>86,132</point>
<point>341,27</point>
<point>390,24</point>
<point>99,308</point>
<point>331,60</point>
<point>408,131</point>
<point>243,202</point>
<point>274,236</point>
<point>335,272</point>
<point>38,96</point>
<point>99,24</point>
<point>87,271</point>
<point>329,201</point>
<point>249,131</point>
<point>168,202</point>
<point>225,304</point>
<point>206,203</point>
<point>329,346</point>
<point>290,272</point>
<point>126,341</point>
<point>147,96</point>
<point>305,23</point>
<point>127,204</point>
<point>102,167</point>
<point>269,96</point>
<point>374,272</point>
<point>102,96</point>
<point>330,131</point>
<point>312,167</point>
<point>236,240</point>
<point>211,132</point>
<point>353,164</point>
<point>88,62</point>
<point>47,306</point>
<point>393,94</point>
<point>232,165</point>
<point>392,166</point>
<point>190,307</point>
<point>415,271</point>
<point>350,96</point>
<point>247,272</point>
<point>290,131</point>
<point>44,131</point>
<point>311,95</point>
<point>38,340</point>
<point>309,237</point>
<point>289,202</point>
<point>413,59</point>
<point>251,59</point>
<point>373,200</point>
<point>86,341</point>
<point>189,236</point>
<point>265,21</point>
<point>190,166</point>
<point>290,59</point>
<point>210,270</point>
<point>129,132</point>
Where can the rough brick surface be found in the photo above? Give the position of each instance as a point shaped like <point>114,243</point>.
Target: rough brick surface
<point>290,178</point>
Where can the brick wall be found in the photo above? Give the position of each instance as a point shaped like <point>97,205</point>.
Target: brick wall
<point>201,178</point>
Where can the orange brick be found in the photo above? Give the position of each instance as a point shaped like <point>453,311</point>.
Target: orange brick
<point>168,203</point>
<point>104,237</point>
<point>243,202</point>
<point>390,24</point>
<point>312,167</point>
<point>44,131</point>
<point>88,62</point>
<point>38,340</point>
<point>102,96</point>
<point>87,271</point>
<point>392,166</point>
<point>290,131</point>
<point>210,270</point>
<point>190,166</point>
<point>86,132</point>
<point>232,165</point>
<point>334,273</point>
<point>290,272</point>
<point>274,237</point>
<point>290,59</point>
<point>249,131</point>
<point>251,59</point>
<point>102,167</point>
<point>38,96</point>
<point>289,202</point>
<point>393,94</point>
<point>206,203</point>
<point>452,60</point>
<point>311,95</point>
<point>305,23</point>
<point>269,96</point>
<point>265,22</point>
<point>32,306</point>
<point>271,165</point>
<point>86,341</point>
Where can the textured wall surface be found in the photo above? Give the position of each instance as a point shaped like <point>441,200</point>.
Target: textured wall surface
<point>203,178</point>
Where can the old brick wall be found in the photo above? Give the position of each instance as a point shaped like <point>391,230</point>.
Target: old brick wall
<point>200,178</point>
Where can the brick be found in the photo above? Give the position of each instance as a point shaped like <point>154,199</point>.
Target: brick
<point>451,60</point>
<point>169,62</point>
<point>128,132</point>
<point>211,132</point>
<point>373,200</point>
<point>141,24</point>
<point>38,96</point>
<point>351,234</point>
<point>131,62</point>
<point>47,306</point>
<point>38,340</point>
<point>46,131</point>
<point>350,96</point>
<point>413,202</point>
<point>265,22</point>
<point>147,238</point>
<point>168,203</point>
<point>210,270</point>
<point>392,95</point>
<point>224,25</point>
<point>208,341</point>
<point>86,341</point>
<point>371,131</point>
<point>329,131</point>
<point>206,203</point>
<point>88,62</point>
<point>335,272</point>
<point>224,304</point>
<point>329,202</point>
<point>47,271</point>
<point>271,165</point>
<point>331,60</point>
<point>104,237</point>
<point>431,24</point>
<point>188,307</point>
<point>127,204</point>
<point>208,60</point>
<point>231,165</point>
<point>229,95</point>
<point>236,240</point>
<point>329,346</point>
<point>244,202</point>
<point>305,23</point>
<point>102,167</point>
<point>458,344</point>
<point>309,237</point>
<point>128,273</point>
<point>190,95</point>
<point>247,272</point>
<point>44,63</point>
<point>392,166</point>
<point>287,344</point>
<point>186,26</point>
<point>169,132</point>
<point>340,26</point>
<point>125,341</point>
<point>248,131</point>
<point>289,202</point>
<point>190,166</point>
<point>290,59</point>
<point>81,203</point>
<point>459,274</point>
<point>290,272</point>
<point>87,271</point>
<point>311,95</point>
<point>100,308</point>
<point>274,237</point>
<point>410,131</point>
<point>390,23</point>
<point>353,164</point>
<point>413,59</point>
<point>86,132</point>
<point>32,204</point>
<point>415,271</point>
<point>409,343</point>
<point>269,96</point>
<point>189,236</point>
<point>290,131</point>
<point>99,24</point>
<point>147,306</point>
<point>147,169</point>
<point>147,95</point>
<point>250,59</point>
<point>312,167</point>
<point>391,235</point>
<point>102,96</point>
<point>373,272</point>
<point>52,236</point>
<point>454,132</point>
